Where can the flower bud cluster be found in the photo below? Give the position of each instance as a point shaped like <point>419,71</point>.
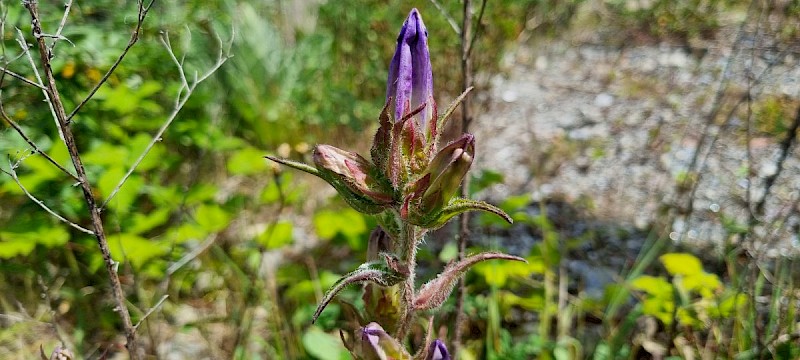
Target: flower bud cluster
<point>410,185</point>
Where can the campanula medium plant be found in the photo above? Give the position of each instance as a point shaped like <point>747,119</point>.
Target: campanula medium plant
<point>409,184</point>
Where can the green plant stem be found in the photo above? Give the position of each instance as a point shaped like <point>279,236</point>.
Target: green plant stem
<point>408,241</point>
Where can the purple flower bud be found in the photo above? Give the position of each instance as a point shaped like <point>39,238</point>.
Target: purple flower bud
<point>374,343</point>
<point>410,82</point>
<point>438,351</point>
<point>60,353</point>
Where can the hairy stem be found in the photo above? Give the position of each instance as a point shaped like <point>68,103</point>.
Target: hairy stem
<point>408,240</point>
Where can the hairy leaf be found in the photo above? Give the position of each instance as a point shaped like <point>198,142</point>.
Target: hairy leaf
<point>435,292</point>
<point>376,272</point>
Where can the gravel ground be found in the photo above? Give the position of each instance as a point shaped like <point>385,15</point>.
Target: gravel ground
<point>613,130</point>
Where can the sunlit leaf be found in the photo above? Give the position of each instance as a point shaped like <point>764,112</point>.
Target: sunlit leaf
<point>135,249</point>
<point>13,244</point>
<point>247,161</point>
<point>276,235</point>
<point>681,264</point>
<point>346,222</point>
<point>324,346</point>
<point>211,218</point>
<point>654,286</point>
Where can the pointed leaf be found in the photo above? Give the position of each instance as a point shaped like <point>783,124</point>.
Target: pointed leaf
<point>379,273</point>
<point>442,121</point>
<point>295,164</point>
<point>434,293</point>
<point>460,205</point>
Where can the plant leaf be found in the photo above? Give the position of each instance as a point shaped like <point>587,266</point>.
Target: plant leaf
<point>460,205</point>
<point>295,164</point>
<point>435,292</point>
<point>376,272</point>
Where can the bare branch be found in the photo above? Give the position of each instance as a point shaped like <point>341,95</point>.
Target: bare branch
<point>149,312</point>
<point>30,142</point>
<point>447,17</point>
<point>24,45</point>
<point>62,121</point>
<point>477,28</point>
<point>41,204</point>
<point>182,98</point>
<point>142,13</point>
<point>58,35</point>
<point>191,255</point>
<point>21,78</point>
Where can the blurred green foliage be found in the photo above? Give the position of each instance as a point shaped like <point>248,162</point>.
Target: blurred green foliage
<point>243,250</point>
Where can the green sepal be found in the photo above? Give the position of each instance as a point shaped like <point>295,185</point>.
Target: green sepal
<point>295,165</point>
<point>359,202</point>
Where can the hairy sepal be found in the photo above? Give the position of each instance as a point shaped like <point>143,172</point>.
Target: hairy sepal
<point>434,293</point>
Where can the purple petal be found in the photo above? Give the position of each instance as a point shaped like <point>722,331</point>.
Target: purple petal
<point>410,82</point>
<point>438,351</point>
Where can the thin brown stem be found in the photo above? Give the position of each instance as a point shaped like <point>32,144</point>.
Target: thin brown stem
<point>142,13</point>
<point>21,78</point>
<point>13,174</point>
<point>463,219</point>
<point>94,211</point>
<point>30,142</point>
<point>184,93</point>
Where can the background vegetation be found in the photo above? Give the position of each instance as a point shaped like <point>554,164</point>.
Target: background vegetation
<point>244,250</point>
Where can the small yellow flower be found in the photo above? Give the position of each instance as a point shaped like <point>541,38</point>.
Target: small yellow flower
<point>68,71</point>
<point>93,74</point>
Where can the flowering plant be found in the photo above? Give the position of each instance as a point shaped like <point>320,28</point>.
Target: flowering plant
<point>409,185</point>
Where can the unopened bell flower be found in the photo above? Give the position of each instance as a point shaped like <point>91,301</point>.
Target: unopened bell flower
<point>410,82</point>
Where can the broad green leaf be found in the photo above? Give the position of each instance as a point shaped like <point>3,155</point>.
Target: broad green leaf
<point>324,346</point>
<point>449,252</point>
<point>703,283</point>
<point>201,193</point>
<point>661,309</point>
<point>347,222</point>
<point>654,286</point>
<point>533,302</point>
<point>107,155</point>
<point>153,158</point>
<point>247,161</point>
<point>123,200</point>
<point>497,273</point>
<point>14,244</point>
<point>52,236</point>
<point>211,218</point>
<point>276,235</point>
<point>135,249</point>
<point>144,222</point>
<point>22,243</point>
<point>681,264</point>
<point>186,232</point>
